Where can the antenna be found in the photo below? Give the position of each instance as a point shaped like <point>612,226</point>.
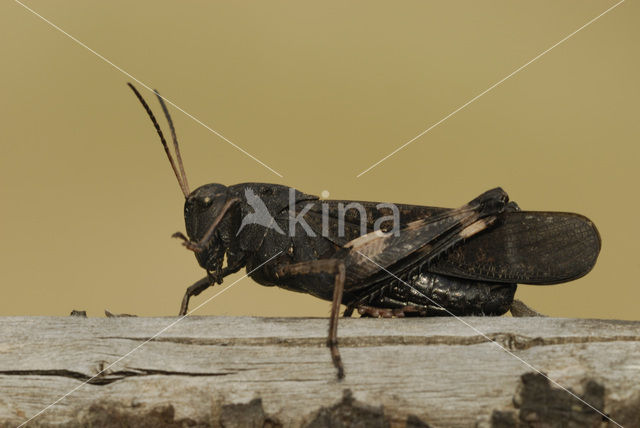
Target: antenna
<point>175,140</point>
<point>183,186</point>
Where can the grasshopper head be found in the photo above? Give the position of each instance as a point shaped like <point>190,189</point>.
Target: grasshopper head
<point>211,216</point>
<point>201,207</point>
<point>212,220</point>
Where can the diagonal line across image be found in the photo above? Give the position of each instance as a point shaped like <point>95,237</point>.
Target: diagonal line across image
<point>62,397</point>
<point>275,172</point>
<point>490,340</point>
<point>121,70</point>
<point>498,83</point>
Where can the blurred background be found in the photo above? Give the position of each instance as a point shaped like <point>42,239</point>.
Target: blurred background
<point>318,92</point>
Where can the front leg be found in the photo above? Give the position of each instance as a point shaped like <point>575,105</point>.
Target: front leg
<point>194,290</point>
<point>331,266</point>
<point>206,282</point>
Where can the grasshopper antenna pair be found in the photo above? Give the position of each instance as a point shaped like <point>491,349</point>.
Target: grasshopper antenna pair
<point>178,168</point>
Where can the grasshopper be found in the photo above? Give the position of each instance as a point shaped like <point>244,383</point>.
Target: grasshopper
<point>381,259</point>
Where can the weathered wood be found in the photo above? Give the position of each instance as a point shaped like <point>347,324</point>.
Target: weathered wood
<point>207,370</point>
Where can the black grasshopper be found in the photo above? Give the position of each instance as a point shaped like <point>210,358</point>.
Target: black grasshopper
<point>380,259</point>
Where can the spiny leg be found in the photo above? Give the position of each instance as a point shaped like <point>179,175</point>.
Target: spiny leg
<point>194,290</point>
<point>331,266</point>
<point>332,340</point>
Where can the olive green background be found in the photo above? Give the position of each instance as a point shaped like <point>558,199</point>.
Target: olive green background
<point>318,91</point>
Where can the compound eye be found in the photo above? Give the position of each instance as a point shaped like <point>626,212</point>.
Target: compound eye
<point>188,207</point>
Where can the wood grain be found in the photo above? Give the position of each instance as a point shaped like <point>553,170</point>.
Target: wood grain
<point>205,371</point>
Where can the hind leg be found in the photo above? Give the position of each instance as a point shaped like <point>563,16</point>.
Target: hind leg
<point>336,268</point>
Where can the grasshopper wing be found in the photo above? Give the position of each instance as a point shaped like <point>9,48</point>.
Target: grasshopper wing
<point>526,247</point>
<point>421,240</point>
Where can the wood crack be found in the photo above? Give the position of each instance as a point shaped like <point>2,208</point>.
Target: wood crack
<point>107,377</point>
<point>510,341</point>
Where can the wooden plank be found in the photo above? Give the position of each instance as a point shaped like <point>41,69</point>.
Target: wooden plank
<point>209,371</point>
